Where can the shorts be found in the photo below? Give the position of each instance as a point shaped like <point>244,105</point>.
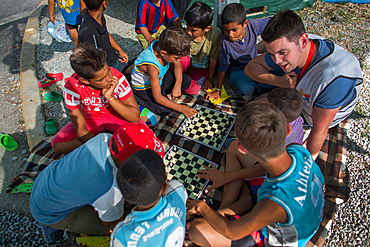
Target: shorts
<point>105,123</point>
<point>84,220</point>
<point>122,67</point>
<point>254,239</point>
<point>144,42</point>
<point>70,26</point>
<point>146,99</point>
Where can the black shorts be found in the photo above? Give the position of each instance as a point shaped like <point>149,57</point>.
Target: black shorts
<point>145,97</point>
<point>69,26</point>
<point>254,239</point>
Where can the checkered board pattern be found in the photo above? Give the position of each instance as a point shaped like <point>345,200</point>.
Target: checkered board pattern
<point>209,127</point>
<point>183,165</point>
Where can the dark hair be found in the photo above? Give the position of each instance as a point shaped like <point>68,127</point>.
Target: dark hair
<point>86,60</point>
<point>199,15</point>
<point>233,13</point>
<point>93,5</point>
<point>174,41</point>
<point>288,100</point>
<point>284,24</point>
<point>261,128</point>
<point>141,177</point>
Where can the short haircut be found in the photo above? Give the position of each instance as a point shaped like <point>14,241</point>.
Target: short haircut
<point>288,100</point>
<point>93,5</point>
<point>141,177</point>
<point>174,41</point>
<point>199,15</point>
<point>284,24</point>
<point>86,60</point>
<point>233,13</point>
<point>261,128</point>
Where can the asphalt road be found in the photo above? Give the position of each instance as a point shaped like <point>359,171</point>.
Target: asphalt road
<point>13,19</point>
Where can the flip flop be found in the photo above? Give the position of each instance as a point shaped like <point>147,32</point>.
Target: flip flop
<point>7,142</point>
<point>51,126</point>
<point>50,79</point>
<point>25,188</point>
<point>53,96</point>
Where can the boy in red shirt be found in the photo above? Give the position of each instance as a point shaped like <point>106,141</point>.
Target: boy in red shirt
<point>98,97</point>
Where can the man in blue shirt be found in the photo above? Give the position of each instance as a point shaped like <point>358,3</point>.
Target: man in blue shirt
<point>328,77</point>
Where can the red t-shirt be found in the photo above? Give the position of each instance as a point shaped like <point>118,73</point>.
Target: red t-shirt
<point>77,95</point>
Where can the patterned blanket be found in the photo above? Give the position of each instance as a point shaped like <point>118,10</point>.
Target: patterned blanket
<point>332,160</point>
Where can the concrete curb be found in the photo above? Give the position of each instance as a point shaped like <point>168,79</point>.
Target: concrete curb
<point>29,90</point>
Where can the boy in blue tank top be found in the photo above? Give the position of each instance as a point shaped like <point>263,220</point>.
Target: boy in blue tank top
<point>290,202</point>
<point>239,165</point>
<point>152,80</point>
<point>159,217</point>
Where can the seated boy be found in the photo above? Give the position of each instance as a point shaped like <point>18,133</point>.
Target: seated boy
<point>152,81</point>
<point>237,47</point>
<point>79,192</point>
<point>160,215</point>
<point>72,12</point>
<point>205,44</point>
<point>240,166</point>
<point>94,30</point>
<point>150,19</point>
<point>98,98</point>
<point>291,200</point>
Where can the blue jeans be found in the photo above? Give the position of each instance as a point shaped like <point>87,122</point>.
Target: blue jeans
<point>245,85</point>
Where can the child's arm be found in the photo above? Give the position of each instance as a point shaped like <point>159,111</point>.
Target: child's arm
<point>51,4</point>
<point>264,213</point>
<point>212,69</point>
<point>216,94</point>
<point>157,95</point>
<point>128,109</point>
<point>144,31</point>
<point>79,124</point>
<point>124,57</point>
<point>177,22</point>
<point>177,69</point>
<point>82,7</point>
<point>220,178</point>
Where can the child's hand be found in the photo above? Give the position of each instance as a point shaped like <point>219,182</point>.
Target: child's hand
<point>207,84</point>
<point>150,40</point>
<point>213,174</point>
<point>124,57</point>
<point>192,206</point>
<point>52,19</point>
<point>108,91</point>
<point>176,92</point>
<point>213,95</point>
<point>188,111</point>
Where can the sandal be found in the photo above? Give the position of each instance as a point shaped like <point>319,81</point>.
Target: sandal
<point>51,126</point>
<point>53,96</point>
<point>25,188</point>
<point>7,142</point>
<point>50,79</point>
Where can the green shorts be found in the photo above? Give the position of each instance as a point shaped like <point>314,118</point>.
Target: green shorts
<point>84,220</point>
<point>144,42</point>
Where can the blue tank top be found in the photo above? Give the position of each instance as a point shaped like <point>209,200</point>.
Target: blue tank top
<point>139,80</point>
<point>300,191</point>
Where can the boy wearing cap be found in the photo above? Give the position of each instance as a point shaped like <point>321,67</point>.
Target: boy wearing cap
<point>79,192</point>
<point>160,215</point>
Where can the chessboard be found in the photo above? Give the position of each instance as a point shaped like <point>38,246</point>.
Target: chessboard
<point>183,166</point>
<point>209,127</point>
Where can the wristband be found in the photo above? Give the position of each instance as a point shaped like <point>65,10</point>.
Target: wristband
<point>110,99</point>
<point>218,89</point>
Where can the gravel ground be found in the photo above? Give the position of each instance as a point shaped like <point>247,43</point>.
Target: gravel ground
<point>346,24</point>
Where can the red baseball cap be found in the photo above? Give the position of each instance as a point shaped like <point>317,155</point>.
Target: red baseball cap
<point>133,137</point>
